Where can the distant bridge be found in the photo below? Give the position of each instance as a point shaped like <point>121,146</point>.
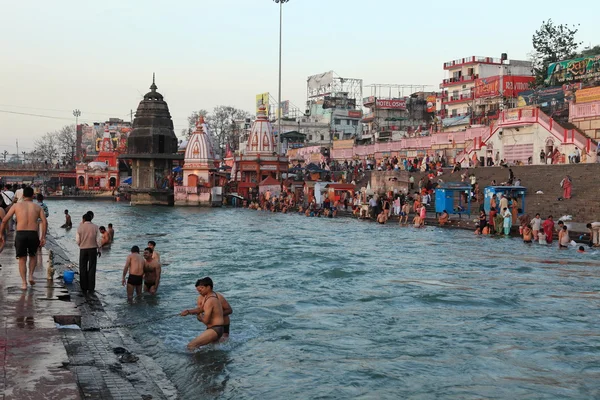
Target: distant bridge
<point>12,173</point>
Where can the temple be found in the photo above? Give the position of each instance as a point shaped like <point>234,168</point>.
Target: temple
<point>201,184</point>
<point>102,174</point>
<point>152,148</point>
<point>258,162</point>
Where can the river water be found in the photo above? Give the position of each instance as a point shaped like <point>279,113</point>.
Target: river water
<point>340,308</point>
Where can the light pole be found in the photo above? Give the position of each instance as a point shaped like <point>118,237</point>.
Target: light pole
<point>279,97</point>
<point>76,114</point>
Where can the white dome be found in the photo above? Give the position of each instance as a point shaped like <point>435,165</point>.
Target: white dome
<point>261,140</point>
<point>199,151</point>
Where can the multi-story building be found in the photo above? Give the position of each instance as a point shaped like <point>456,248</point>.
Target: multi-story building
<point>458,96</point>
<point>392,119</point>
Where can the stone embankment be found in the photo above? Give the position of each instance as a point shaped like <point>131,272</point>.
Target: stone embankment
<point>40,361</point>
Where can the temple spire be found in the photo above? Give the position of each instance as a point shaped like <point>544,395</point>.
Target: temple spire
<point>153,87</point>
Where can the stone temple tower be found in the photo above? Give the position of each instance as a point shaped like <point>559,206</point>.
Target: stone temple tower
<point>152,147</point>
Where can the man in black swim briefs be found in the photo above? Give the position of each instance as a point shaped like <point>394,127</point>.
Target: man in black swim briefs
<point>135,266</point>
<point>211,315</point>
<point>27,240</point>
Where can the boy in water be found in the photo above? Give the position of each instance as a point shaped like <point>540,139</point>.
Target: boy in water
<point>155,253</point>
<point>111,232</point>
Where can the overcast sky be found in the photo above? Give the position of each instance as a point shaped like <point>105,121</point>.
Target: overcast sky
<point>99,56</point>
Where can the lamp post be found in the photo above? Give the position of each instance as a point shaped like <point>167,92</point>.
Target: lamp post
<point>281,2</point>
<point>76,114</point>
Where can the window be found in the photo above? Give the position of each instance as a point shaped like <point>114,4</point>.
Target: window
<point>309,137</point>
<point>355,123</point>
<point>322,137</point>
<point>454,112</point>
<point>336,121</point>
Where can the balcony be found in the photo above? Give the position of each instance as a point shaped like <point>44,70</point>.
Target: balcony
<point>458,81</point>
<point>458,98</point>
<point>471,60</point>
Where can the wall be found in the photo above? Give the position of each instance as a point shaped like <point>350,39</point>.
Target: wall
<point>382,181</point>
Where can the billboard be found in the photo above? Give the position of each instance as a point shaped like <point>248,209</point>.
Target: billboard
<point>587,95</point>
<point>262,100</point>
<point>284,109</point>
<point>393,104</point>
<point>431,100</point>
<point>507,86</point>
<point>574,70</point>
<point>320,80</point>
<point>551,100</point>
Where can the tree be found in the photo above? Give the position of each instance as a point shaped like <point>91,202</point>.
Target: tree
<point>52,145</point>
<point>192,122</point>
<point>222,126</point>
<point>552,43</point>
<point>66,139</point>
<point>47,147</point>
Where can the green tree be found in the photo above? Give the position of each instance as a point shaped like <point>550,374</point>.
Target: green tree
<point>552,43</point>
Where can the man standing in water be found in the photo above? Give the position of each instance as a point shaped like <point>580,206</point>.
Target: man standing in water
<point>135,266</point>
<point>89,240</point>
<point>111,232</point>
<point>152,272</point>
<point>155,253</point>
<point>27,240</point>
<point>211,315</point>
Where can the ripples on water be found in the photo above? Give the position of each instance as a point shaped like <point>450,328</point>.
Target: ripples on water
<point>328,309</point>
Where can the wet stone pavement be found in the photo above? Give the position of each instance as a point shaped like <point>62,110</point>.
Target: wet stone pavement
<point>40,361</point>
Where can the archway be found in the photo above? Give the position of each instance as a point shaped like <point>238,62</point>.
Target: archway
<point>549,150</point>
<point>81,181</point>
<point>112,182</point>
<point>192,180</point>
<point>90,182</point>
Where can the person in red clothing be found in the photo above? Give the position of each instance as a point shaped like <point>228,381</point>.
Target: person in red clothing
<point>548,227</point>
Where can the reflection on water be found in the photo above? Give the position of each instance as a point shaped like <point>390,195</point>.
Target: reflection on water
<point>341,309</point>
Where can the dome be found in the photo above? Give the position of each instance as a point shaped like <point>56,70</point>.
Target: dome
<point>152,131</point>
<point>261,139</point>
<point>199,150</point>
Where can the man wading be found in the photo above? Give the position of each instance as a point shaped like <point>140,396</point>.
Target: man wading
<point>89,240</point>
<point>212,316</point>
<point>27,240</point>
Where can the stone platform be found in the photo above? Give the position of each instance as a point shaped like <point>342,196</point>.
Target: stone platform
<point>40,361</point>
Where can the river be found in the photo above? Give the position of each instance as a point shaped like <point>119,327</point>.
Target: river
<point>340,308</point>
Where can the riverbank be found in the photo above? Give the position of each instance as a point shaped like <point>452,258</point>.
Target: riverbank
<point>41,361</point>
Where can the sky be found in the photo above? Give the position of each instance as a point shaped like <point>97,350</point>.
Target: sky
<point>99,56</point>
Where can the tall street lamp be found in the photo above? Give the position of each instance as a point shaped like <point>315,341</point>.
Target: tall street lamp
<point>76,114</point>
<point>279,98</point>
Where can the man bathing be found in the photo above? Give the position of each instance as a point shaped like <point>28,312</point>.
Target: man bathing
<point>68,223</point>
<point>155,254</point>
<point>27,239</point>
<point>152,272</point>
<point>105,237</point>
<point>111,232</point>
<point>210,314</point>
<point>135,266</point>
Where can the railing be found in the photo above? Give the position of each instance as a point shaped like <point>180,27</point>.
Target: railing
<point>462,79</point>
<point>35,167</point>
<point>472,59</point>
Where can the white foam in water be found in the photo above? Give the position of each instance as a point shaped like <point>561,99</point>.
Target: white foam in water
<point>76,327</point>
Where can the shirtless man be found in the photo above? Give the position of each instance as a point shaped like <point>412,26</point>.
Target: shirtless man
<point>68,223</point>
<point>152,272</point>
<point>105,236</point>
<point>135,266</point>
<point>527,234</point>
<point>381,218</point>
<point>111,232</point>
<point>155,254</point>
<point>27,240</point>
<point>417,221</point>
<point>227,311</point>
<point>404,213</point>
<point>211,315</point>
